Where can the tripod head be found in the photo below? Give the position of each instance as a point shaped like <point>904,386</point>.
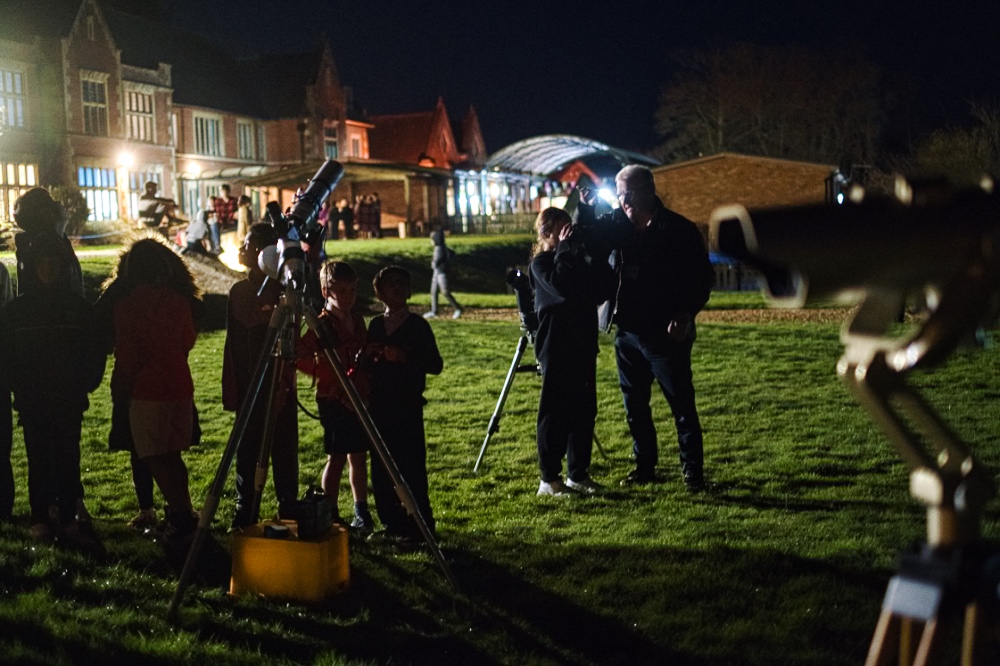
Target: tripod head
<point>288,261</point>
<point>929,239</point>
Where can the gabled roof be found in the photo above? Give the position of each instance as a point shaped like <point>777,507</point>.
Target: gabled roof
<point>400,137</point>
<point>203,74</point>
<point>23,19</point>
<point>281,80</point>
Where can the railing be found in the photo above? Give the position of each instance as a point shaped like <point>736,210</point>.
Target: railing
<point>503,223</point>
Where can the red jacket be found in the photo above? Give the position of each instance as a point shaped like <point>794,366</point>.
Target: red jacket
<point>313,361</point>
<point>154,331</point>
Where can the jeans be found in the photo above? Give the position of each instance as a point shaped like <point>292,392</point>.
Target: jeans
<point>213,232</point>
<point>641,359</point>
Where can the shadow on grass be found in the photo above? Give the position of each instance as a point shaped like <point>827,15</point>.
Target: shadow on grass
<point>521,603</point>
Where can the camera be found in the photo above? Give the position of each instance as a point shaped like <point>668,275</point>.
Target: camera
<point>525,296</point>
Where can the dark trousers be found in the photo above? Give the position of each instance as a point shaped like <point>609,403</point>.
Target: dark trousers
<point>402,429</point>
<point>284,460</point>
<point>52,442</point>
<point>6,444</point>
<point>641,359</point>
<point>567,409</point>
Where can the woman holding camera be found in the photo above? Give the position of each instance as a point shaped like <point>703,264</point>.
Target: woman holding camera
<point>568,289</point>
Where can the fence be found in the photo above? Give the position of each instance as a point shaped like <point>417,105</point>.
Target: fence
<point>502,223</point>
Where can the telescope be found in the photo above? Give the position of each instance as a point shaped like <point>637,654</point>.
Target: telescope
<point>942,244</point>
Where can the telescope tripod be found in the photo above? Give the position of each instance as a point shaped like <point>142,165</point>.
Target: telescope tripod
<point>527,338</point>
<point>282,331</point>
<point>947,582</point>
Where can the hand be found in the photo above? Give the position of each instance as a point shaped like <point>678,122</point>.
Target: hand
<point>394,354</point>
<point>589,195</point>
<point>566,232</point>
<point>679,326</point>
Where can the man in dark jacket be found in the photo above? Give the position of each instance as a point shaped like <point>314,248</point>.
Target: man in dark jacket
<point>665,279</point>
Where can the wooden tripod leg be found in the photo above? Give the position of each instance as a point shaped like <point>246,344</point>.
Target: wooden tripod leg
<point>975,636</point>
<point>929,639</point>
<point>885,640</point>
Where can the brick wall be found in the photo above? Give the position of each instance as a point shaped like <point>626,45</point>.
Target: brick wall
<point>694,189</point>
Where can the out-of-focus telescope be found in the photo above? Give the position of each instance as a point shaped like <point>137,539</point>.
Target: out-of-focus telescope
<point>924,237</point>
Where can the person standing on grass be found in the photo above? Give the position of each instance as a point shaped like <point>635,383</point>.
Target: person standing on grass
<point>51,360</point>
<point>116,288</point>
<point>248,319</point>
<point>344,437</point>
<point>154,332</point>
<point>568,288</point>
<point>664,280</point>
<point>440,267</point>
<point>6,418</point>
<point>401,352</point>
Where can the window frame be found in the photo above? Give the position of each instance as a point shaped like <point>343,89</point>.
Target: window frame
<point>94,111</point>
<point>211,132</point>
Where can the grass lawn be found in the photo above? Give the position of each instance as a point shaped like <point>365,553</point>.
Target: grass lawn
<point>784,560</point>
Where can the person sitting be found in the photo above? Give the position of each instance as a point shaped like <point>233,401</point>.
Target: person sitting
<point>156,211</point>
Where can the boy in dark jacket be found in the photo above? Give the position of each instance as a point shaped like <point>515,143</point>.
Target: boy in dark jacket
<point>52,360</point>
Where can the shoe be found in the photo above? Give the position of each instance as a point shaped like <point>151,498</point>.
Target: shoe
<point>145,519</point>
<point>363,523</point>
<point>639,477</point>
<point>585,486</point>
<point>70,536</point>
<point>175,528</point>
<point>456,314</point>
<point>695,483</point>
<point>553,488</point>
<point>430,315</point>
<point>41,533</point>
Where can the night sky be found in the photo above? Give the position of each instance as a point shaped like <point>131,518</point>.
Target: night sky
<point>595,69</point>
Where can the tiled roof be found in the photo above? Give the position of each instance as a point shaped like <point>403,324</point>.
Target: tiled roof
<point>22,19</point>
<point>401,137</point>
<point>203,73</point>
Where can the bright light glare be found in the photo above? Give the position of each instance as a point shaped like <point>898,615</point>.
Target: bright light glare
<point>126,160</point>
<point>608,196</point>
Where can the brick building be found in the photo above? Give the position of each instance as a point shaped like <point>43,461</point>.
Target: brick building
<point>697,187</point>
<point>106,101</point>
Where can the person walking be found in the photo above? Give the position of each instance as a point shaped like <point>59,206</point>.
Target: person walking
<point>440,267</point>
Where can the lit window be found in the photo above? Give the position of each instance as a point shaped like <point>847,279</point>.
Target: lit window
<point>356,147</point>
<point>95,103</point>
<point>100,189</point>
<point>330,146</point>
<point>244,140</point>
<point>11,99</point>
<point>15,179</point>
<point>208,135</point>
<point>139,116</point>
<point>262,142</point>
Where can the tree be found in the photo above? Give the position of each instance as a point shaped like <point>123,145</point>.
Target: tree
<point>788,102</point>
<point>961,154</point>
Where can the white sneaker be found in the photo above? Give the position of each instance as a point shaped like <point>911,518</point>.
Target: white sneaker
<point>430,315</point>
<point>457,313</point>
<point>587,486</point>
<point>554,488</point>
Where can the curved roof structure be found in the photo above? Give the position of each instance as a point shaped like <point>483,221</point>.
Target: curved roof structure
<point>541,155</point>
